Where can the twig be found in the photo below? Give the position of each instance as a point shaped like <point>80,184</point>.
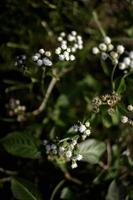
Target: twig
<point>3,180</point>
<point>70,178</point>
<point>8,172</point>
<point>52,84</point>
<point>56,189</point>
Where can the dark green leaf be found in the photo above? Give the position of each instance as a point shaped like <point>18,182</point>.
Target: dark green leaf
<point>113,191</point>
<point>21,144</point>
<point>24,190</point>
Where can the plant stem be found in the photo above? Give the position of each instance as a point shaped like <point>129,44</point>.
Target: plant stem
<point>8,172</point>
<point>70,178</point>
<point>47,95</point>
<point>52,84</point>
<point>109,157</point>
<point>95,16</point>
<point>3,180</point>
<point>56,189</point>
<point>112,78</point>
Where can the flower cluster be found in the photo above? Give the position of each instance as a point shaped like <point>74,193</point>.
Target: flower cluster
<point>69,44</point>
<point>125,119</point>
<point>106,49</point>
<point>16,109</point>
<point>20,60</point>
<point>83,129</point>
<point>42,58</point>
<point>67,149</point>
<point>127,63</point>
<point>107,99</point>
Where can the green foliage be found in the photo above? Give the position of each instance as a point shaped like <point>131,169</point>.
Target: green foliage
<point>23,189</point>
<point>21,144</point>
<point>92,150</point>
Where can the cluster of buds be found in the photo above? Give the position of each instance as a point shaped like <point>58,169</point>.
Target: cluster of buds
<point>107,99</point>
<point>66,150</point>
<point>16,109</point>
<point>42,58</point>
<point>128,119</point>
<point>20,60</point>
<point>84,130</point>
<point>69,44</point>
<point>127,63</point>
<point>106,49</point>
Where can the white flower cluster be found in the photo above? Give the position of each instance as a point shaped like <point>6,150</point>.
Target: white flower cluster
<point>66,150</point>
<point>127,63</point>
<point>69,44</point>
<point>16,109</point>
<point>83,129</point>
<point>42,58</point>
<point>106,49</point>
<point>125,119</point>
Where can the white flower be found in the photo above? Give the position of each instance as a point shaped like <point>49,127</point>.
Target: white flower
<point>34,58</point>
<point>82,128</point>
<point>59,39</point>
<point>39,62</point>
<point>61,57</point>
<point>103,47</point>
<point>124,119</point>
<point>107,40</point>
<point>48,53</point>
<point>110,47</point>
<point>58,50</point>
<point>79,157</point>
<point>131,54</point>
<point>88,132</point>
<point>122,66</point>
<point>87,124</point>
<point>64,46</point>
<point>68,154</point>
<point>41,51</point>
<point>72,57</point>
<point>104,56</point>
<point>62,34</point>
<point>95,50</point>
<point>130,107</point>
<point>74,33</point>
<point>47,62</point>
<point>114,55</point>
<point>71,38</point>
<point>120,49</point>
<point>127,61</point>
<point>74,165</point>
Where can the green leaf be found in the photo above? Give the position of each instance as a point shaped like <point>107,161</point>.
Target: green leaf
<point>92,150</point>
<point>113,191</point>
<point>21,144</point>
<point>24,190</point>
<point>122,86</point>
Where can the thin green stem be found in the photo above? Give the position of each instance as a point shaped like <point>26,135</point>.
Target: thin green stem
<point>8,172</point>
<point>59,185</point>
<point>112,78</point>
<point>95,16</point>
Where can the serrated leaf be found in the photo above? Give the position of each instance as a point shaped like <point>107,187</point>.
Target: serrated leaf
<point>24,190</point>
<point>113,191</point>
<point>21,144</point>
<point>92,150</point>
